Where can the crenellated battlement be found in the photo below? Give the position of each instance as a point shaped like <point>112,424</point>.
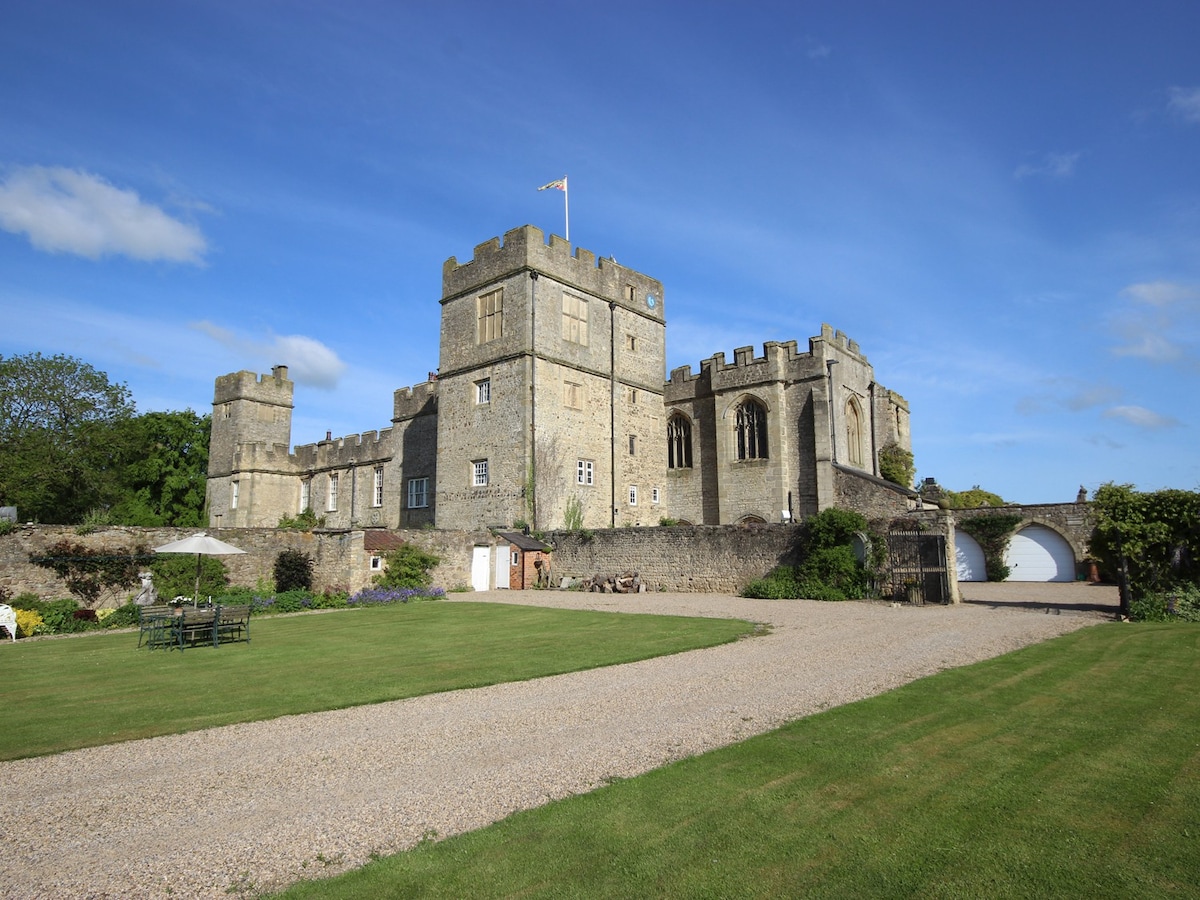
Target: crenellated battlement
<point>273,388</point>
<point>525,248</point>
<point>263,457</point>
<point>835,339</point>
<point>353,449</point>
<point>418,400</point>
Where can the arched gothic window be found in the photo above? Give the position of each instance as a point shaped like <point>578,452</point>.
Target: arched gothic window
<point>751,430</point>
<point>679,442</point>
<point>854,433</point>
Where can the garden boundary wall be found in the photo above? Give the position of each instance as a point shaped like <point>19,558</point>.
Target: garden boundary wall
<point>340,560</point>
<point>702,558</point>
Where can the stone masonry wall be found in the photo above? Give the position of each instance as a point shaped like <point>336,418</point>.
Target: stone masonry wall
<point>340,561</point>
<point>721,558</point>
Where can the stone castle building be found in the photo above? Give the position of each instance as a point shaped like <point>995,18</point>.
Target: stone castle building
<point>551,408</point>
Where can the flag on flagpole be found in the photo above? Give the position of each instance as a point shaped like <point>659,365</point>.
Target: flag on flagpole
<point>561,185</point>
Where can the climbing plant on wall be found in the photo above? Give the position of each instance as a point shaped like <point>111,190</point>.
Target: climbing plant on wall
<point>992,533</point>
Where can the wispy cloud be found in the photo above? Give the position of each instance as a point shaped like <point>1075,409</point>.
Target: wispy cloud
<point>1184,103</point>
<point>815,50</point>
<point>1052,165</point>
<point>309,361</point>
<point>1141,417</point>
<point>68,211</point>
<point>1160,323</point>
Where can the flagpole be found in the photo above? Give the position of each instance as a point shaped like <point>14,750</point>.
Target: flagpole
<point>561,185</point>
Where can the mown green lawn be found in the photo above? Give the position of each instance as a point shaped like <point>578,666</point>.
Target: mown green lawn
<point>1068,769</point>
<point>66,693</point>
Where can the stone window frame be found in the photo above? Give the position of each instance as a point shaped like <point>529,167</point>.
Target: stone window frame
<point>376,562</point>
<point>377,492</point>
<point>633,445</point>
<point>679,441</point>
<point>585,472</point>
<point>234,492</point>
<point>572,395</point>
<point>483,391</point>
<point>574,319</point>
<point>655,495</point>
<point>633,495</point>
<point>305,494</point>
<point>418,492</point>
<point>750,430</point>
<point>331,493</point>
<point>854,432</point>
<point>490,316</point>
<point>479,473</point>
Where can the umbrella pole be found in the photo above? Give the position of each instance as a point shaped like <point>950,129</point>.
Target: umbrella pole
<point>196,593</point>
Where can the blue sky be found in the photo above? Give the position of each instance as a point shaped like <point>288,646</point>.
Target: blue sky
<point>999,202</point>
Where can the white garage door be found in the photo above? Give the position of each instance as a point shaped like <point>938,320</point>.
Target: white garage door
<point>1038,553</point>
<point>968,558</point>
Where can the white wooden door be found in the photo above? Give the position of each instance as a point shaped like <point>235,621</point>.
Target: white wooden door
<point>481,568</point>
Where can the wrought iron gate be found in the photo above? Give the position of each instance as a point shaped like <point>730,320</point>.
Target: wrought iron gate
<point>917,567</point>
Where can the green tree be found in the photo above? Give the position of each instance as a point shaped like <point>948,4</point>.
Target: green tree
<point>1158,534</point>
<point>57,416</point>
<point>896,464</point>
<point>972,499</point>
<point>163,469</point>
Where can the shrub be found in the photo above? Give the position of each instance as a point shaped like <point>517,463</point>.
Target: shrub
<point>305,521</point>
<point>121,617</point>
<point>175,575</point>
<point>29,623</point>
<point>293,571</point>
<point>778,584</point>
<point>1179,604</point>
<point>330,600</point>
<point>407,567</point>
<point>292,601</point>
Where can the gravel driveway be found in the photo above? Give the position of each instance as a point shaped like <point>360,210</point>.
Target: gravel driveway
<point>248,807</point>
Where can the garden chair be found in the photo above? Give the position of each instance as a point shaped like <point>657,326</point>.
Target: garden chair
<point>8,619</point>
<point>193,626</point>
<point>233,624</point>
<point>154,625</point>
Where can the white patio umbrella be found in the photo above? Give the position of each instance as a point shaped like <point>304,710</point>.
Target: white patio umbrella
<point>202,545</point>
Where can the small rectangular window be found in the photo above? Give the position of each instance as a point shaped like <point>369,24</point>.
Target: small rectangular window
<point>629,292</point>
<point>572,395</point>
<point>479,473</point>
<point>633,445</point>
<point>376,563</point>
<point>305,495</point>
<point>483,391</point>
<point>633,395</point>
<point>418,493</point>
<point>633,495</point>
<point>653,495</point>
<point>584,472</point>
<point>377,496</point>
<point>332,499</point>
<point>516,557</point>
<point>631,343</point>
<point>233,494</point>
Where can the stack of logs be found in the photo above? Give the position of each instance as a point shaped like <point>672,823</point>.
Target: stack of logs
<point>625,583</point>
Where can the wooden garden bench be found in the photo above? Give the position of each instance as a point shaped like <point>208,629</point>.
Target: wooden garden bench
<point>194,626</point>
<point>154,625</point>
<point>233,624</point>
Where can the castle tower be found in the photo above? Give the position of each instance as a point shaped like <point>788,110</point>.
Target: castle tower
<point>250,476</point>
<point>550,388</point>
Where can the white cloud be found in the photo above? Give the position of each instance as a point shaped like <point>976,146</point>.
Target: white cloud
<point>1161,323</point>
<point>1053,165</point>
<point>1185,103</point>
<point>67,211</point>
<point>309,361</point>
<point>1141,417</point>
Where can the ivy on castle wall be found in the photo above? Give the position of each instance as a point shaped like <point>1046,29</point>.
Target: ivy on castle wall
<point>992,533</point>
